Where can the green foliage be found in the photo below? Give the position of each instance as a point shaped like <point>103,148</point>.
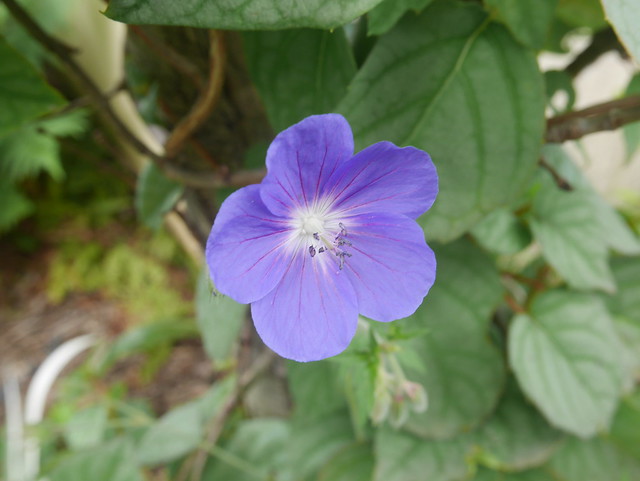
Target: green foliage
<point>23,93</point>
<point>155,196</point>
<point>528,20</point>
<point>219,318</point>
<point>249,15</point>
<point>479,80</point>
<point>131,274</point>
<point>323,65</point>
<point>110,462</point>
<point>462,372</point>
<point>623,18</point>
<point>523,362</point>
<point>565,356</point>
<point>387,13</point>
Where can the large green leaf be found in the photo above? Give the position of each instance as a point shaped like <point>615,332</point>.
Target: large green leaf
<point>401,456</point>
<point>463,372</point>
<point>113,461</point>
<point>564,356</point>
<point>566,225</point>
<point>220,319</point>
<point>299,72</point>
<point>259,444</point>
<point>352,463</point>
<point>614,231</point>
<point>484,474</point>
<point>313,441</point>
<point>517,437</point>
<point>244,15</point>
<point>593,460</point>
<point>23,93</point>
<point>451,83</point>
<point>625,429</point>
<point>624,16</point>
<point>528,20</point>
<point>386,14</point>
<point>501,232</point>
<point>313,387</point>
<point>155,195</point>
<point>181,430</point>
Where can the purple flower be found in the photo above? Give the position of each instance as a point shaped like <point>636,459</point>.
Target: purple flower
<point>325,236</point>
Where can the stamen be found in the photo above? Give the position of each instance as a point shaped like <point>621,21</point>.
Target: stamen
<point>316,236</point>
<point>312,251</point>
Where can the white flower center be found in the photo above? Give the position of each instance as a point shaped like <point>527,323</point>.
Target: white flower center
<point>317,232</point>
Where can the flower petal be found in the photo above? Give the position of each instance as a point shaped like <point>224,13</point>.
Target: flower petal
<point>245,250</point>
<point>391,266</point>
<point>312,314</point>
<point>386,178</point>
<point>302,158</point>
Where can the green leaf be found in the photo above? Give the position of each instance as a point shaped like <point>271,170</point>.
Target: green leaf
<point>582,13</point>
<point>632,131</point>
<point>464,373</point>
<point>24,95</point>
<point>149,337</point>
<point>624,17</point>
<point>352,463</point>
<point>313,442</point>
<point>86,428</point>
<point>15,206</point>
<point>181,430</point>
<point>517,437</point>
<point>28,151</point>
<point>247,15</point>
<point>624,429</point>
<point>401,456</point>
<point>220,319</point>
<point>593,460</point>
<point>451,83</point>
<point>614,231</point>
<point>626,302</point>
<point>299,72</point>
<point>501,232</point>
<point>528,20</point>
<point>559,81</point>
<point>255,450</point>
<point>387,13</point>
<point>314,387</point>
<point>113,461</point>
<point>484,474</point>
<point>155,195</point>
<point>566,226</point>
<point>565,359</point>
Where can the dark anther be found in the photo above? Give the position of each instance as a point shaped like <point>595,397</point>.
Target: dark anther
<point>316,236</point>
<point>321,250</point>
<point>312,251</point>
<point>343,229</point>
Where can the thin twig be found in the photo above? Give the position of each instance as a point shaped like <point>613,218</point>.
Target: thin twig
<point>560,181</point>
<point>206,100</point>
<point>602,42</point>
<point>605,116</point>
<point>216,425</point>
<point>64,54</point>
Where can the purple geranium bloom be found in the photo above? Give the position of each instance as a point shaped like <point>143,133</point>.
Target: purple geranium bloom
<point>325,236</point>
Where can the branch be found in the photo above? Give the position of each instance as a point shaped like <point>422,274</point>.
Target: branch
<point>206,100</point>
<point>216,424</point>
<point>602,42</point>
<point>606,116</point>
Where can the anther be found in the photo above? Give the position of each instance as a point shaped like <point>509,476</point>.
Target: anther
<point>321,250</point>
<point>312,251</point>
<point>316,236</point>
<point>343,229</point>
